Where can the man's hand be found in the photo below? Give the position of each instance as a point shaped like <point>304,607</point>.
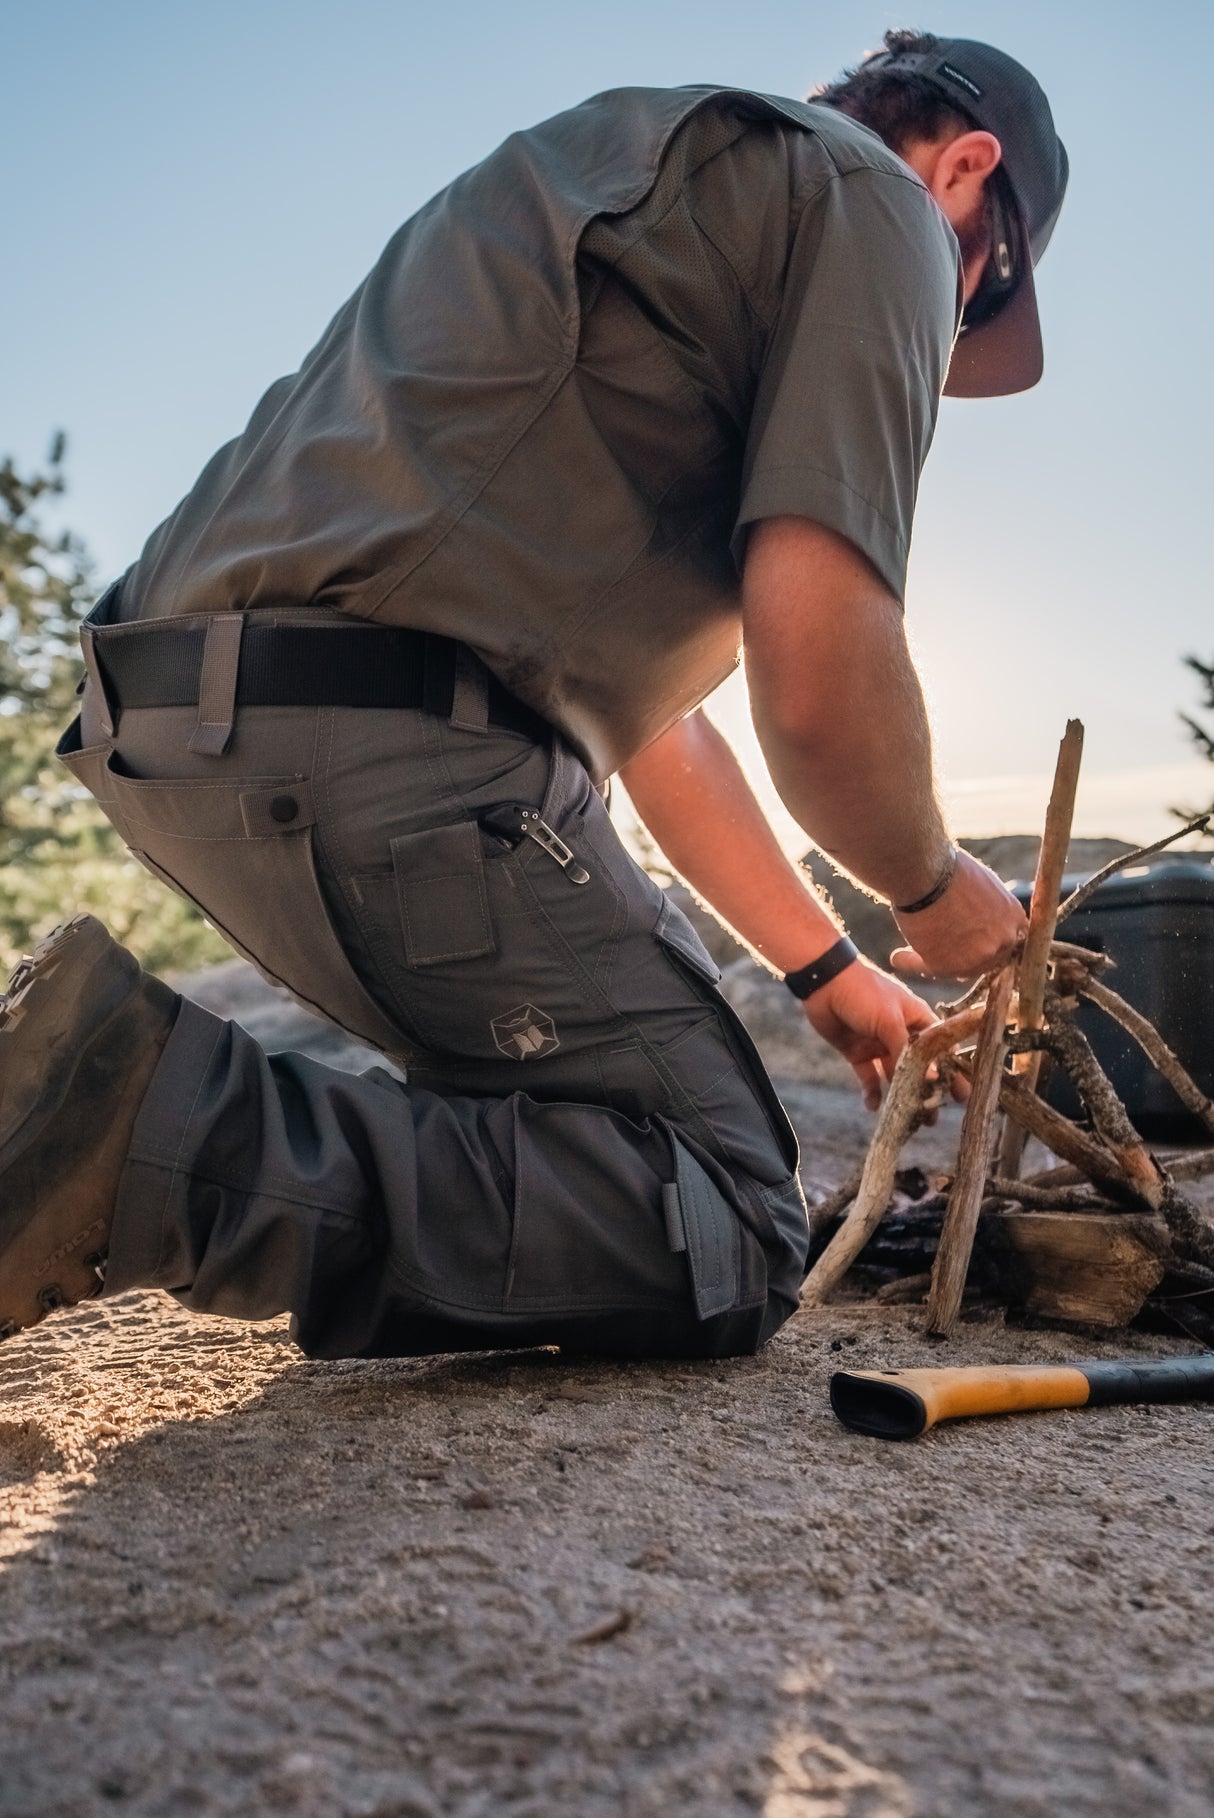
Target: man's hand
<point>975,926</point>
<point>868,1017</point>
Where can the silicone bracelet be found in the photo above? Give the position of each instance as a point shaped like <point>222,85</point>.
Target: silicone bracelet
<point>935,893</point>
<point>808,979</point>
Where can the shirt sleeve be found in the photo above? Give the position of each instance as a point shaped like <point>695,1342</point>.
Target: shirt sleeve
<point>850,386</point>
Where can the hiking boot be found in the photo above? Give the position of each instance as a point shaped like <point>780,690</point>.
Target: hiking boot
<point>81,1030</point>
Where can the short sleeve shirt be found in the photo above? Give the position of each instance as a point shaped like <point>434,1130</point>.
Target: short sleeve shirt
<point>544,422</point>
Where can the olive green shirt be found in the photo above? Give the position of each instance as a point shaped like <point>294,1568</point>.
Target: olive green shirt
<point>545,420</point>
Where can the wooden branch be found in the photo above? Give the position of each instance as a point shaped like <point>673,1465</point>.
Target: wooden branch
<point>1079,897</point>
<point>973,1158</point>
<point>1069,1198</point>
<point>1091,1160</point>
<point>1043,914</point>
<point>1028,1041</point>
<point>1087,957</point>
<point>1064,1175</point>
<point>1184,1164</point>
<point>1108,1114</point>
<point>825,1210</point>
<point>1192,1232</point>
<point>1190,1166</point>
<point>897,1118</point>
<point>1154,1047</point>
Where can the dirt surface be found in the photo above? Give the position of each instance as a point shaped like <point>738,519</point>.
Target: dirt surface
<point>531,1586</point>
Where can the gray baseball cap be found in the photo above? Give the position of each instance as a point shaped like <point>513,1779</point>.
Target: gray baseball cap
<point>999,348</point>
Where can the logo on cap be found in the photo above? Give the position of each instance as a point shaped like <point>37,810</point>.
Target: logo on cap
<point>963,81</point>
<point>525,1033</point>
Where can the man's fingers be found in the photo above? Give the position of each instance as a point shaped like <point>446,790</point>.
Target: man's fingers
<point>869,1076</point>
<point>905,959</point>
<point>918,1015</point>
<point>892,1035</point>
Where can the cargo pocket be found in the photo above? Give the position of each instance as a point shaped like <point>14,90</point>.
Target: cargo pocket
<point>242,853</point>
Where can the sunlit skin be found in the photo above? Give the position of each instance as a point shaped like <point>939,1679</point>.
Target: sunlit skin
<point>840,716</point>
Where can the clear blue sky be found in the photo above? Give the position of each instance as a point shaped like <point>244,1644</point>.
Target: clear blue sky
<point>193,189</point>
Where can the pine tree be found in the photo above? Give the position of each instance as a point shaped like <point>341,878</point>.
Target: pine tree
<point>58,854</point>
<point>1201,737</point>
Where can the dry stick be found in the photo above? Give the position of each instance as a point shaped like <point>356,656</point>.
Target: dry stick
<point>1185,1164</point>
<point>1190,1166</point>
<point>1154,1047</point>
<point>973,1158</point>
<point>1087,957</point>
<point>1191,1232</point>
<point>1043,914</point>
<point>1069,1198</point>
<point>1065,1175</point>
<point>1091,1160</point>
<point>1108,1114</point>
<point>896,1120</point>
<point>1079,897</point>
<point>820,1215</point>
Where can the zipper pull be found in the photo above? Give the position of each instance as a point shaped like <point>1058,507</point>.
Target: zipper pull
<point>513,824</point>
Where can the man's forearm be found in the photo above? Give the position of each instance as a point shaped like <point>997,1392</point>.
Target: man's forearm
<point>690,791</point>
<point>840,714</point>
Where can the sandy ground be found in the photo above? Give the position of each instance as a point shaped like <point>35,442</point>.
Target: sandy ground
<point>530,1586</point>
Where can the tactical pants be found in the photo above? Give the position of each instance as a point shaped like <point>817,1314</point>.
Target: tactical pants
<point>587,1151</point>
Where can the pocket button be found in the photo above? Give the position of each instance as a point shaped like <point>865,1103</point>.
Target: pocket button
<point>283,808</point>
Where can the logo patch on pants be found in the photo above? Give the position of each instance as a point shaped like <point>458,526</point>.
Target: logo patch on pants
<point>525,1033</point>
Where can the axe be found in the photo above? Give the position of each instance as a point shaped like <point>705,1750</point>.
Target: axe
<point>901,1404</point>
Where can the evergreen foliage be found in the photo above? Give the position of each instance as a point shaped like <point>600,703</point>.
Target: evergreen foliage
<point>1200,735</point>
<point>58,853</point>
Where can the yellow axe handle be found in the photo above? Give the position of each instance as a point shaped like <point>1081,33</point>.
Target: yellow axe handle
<point>901,1404</point>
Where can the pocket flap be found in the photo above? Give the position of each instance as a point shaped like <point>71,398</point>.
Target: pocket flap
<point>440,886</point>
<point>712,1236</point>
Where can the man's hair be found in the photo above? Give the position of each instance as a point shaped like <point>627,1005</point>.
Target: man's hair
<point>900,106</point>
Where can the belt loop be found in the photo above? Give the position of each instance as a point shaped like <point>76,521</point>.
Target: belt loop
<point>105,711</point>
<point>470,692</point>
<point>217,684</point>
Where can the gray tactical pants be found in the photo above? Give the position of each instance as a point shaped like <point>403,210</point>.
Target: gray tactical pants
<point>587,1151</point>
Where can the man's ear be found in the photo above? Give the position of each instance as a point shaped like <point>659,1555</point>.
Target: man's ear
<point>963,166</point>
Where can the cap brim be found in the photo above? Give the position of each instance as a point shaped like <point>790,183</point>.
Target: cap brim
<point>1004,355</point>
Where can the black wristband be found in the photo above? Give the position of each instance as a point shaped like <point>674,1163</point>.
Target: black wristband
<point>935,893</point>
<point>828,965</point>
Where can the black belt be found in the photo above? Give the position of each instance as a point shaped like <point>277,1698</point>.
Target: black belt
<point>300,666</point>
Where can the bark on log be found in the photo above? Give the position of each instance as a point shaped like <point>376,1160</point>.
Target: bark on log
<point>1088,1267</point>
<point>973,1160</point>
